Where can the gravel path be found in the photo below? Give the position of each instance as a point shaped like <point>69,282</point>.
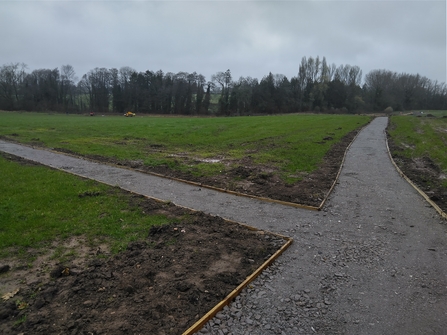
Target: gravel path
<point>374,261</point>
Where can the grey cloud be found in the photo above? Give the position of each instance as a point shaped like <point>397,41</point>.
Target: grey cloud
<point>250,38</point>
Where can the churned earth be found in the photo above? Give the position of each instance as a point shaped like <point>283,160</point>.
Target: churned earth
<point>373,261</point>
<point>160,285</point>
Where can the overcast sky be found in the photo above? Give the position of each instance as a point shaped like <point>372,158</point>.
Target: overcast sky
<point>251,38</point>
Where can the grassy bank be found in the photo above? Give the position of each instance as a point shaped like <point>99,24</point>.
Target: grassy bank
<point>421,137</point>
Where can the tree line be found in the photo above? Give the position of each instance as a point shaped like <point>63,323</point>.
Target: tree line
<point>317,87</point>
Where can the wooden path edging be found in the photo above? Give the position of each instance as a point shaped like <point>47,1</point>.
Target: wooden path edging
<point>424,195</point>
<point>216,309</point>
<point>227,300</point>
<point>340,168</point>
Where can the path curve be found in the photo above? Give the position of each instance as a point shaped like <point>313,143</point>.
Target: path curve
<point>374,261</point>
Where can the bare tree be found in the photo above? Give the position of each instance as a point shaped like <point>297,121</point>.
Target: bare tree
<point>11,79</point>
<point>67,86</point>
<point>354,76</point>
<point>224,80</point>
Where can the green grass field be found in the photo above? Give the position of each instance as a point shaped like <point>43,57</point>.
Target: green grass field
<point>292,143</point>
<point>422,136</point>
<point>38,204</point>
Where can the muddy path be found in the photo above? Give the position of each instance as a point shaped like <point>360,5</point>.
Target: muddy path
<point>373,261</point>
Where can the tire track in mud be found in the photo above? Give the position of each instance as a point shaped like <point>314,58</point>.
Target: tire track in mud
<point>373,261</point>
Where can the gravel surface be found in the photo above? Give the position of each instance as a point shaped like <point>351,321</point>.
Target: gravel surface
<point>373,261</point>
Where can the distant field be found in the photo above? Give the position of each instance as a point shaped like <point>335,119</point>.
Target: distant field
<point>200,146</point>
<point>422,137</point>
<point>436,113</point>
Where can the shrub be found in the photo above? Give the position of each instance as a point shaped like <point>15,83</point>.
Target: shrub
<point>388,110</point>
